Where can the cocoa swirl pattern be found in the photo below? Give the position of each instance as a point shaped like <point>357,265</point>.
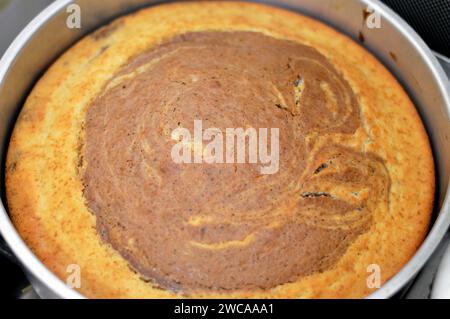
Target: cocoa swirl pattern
<point>192,227</point>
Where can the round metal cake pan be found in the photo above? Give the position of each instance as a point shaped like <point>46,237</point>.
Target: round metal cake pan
<point>394,43</point>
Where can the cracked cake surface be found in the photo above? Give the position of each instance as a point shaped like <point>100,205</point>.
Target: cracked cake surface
<point>90,179</point>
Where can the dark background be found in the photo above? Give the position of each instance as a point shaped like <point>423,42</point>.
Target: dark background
<point>430,18</point>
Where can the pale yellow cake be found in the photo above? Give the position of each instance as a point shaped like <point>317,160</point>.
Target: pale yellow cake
<point>90,179</point>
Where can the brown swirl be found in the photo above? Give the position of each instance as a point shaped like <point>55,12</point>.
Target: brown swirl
<point>227,227</point>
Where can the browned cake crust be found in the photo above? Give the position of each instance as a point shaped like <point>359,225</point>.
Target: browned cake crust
<point>90,180</point>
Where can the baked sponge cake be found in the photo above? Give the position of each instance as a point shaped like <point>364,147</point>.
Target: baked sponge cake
<point>91,179</point>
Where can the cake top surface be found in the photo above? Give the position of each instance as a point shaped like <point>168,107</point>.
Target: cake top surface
<point>225,225</point>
